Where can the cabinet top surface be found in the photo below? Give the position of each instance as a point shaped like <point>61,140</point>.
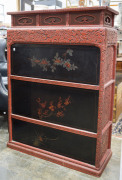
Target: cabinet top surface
<point>82,9</point>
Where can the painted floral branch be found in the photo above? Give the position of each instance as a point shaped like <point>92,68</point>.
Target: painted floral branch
<point>45,64</point>
<point>52,108</point>
<point>41,139</point>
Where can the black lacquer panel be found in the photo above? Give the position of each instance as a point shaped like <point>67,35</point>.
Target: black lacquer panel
<point>64,143</point>
<point>68,106</point>
<point>74,63</point>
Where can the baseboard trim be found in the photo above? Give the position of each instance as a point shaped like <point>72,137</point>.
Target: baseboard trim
<point>88,169</point>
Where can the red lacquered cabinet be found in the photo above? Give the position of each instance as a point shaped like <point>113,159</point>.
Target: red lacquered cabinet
<point>61,73</point>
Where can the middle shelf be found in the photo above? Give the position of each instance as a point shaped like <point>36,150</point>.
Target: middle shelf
<point>56,104</point>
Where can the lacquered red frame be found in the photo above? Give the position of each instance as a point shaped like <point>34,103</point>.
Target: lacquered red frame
<point>100,36</point>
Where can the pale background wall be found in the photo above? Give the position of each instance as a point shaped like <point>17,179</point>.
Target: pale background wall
<point>9,5</point>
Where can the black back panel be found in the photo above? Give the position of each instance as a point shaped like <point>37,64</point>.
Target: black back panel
<point>78,147</point>
<point>73,63</point>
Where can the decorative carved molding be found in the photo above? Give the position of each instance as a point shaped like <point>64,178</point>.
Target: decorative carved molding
<point>85,18</point>
<point>52,20</point>
<point>107,20</point>
<point>25,21</point>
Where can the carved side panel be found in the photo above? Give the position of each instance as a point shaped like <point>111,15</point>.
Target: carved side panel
<point>104,145</point>
<point>111,35</point>
<point>54,19</point>
<point>109,63</point>
<point>83,18</point>
<point>21,20</point>
<point>107,106</point>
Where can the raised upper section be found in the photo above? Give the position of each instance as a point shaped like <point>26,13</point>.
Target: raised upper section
<point>86,16</point>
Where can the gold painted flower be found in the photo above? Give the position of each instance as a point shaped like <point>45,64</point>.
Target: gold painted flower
<point>67,64</point>
<point>43,105</point>
<point>57,61</point>
<point>46,112</point>
<point>59,105</point>
<point>44,62</point>
<point>38,100</point>
<point>39,112</point>
<point>40,138</point>
<point>60,114</point>
<point>67,101</point>
<point>51,107</point>
<point>37,61</point>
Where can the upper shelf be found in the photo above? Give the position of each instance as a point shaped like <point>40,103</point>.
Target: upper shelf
<point>85,16</point>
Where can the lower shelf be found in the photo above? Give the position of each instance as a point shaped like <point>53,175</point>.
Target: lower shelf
<point>61,160</point>
<point>71,145</point>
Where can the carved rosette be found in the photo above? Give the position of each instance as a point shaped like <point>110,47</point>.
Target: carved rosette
<point>25,21</point>
<point>108,20</point>
<point>52,20</point>
<point>85,19</point>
